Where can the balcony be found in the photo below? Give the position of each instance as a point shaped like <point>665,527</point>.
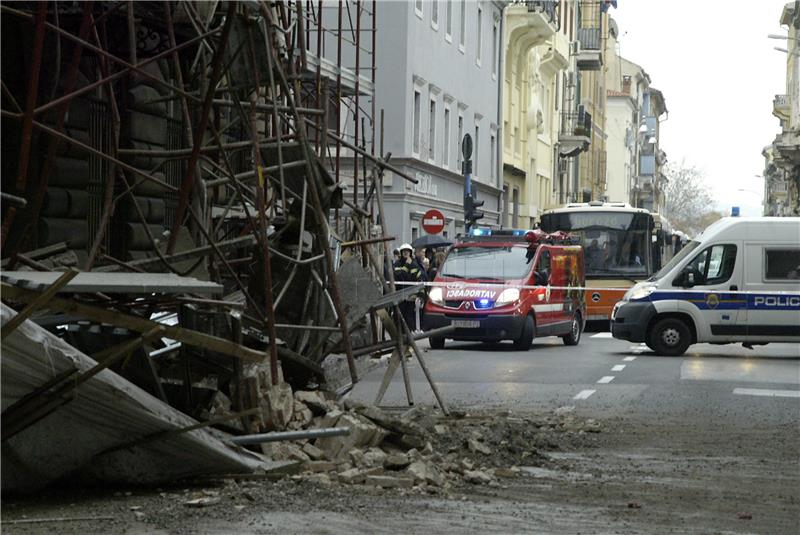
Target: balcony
<point>575,133</point>
<point>531,22</point>
<point>590,37</point>
<point>647,165</point>
<point>782,107</point>
<point>787,149</point>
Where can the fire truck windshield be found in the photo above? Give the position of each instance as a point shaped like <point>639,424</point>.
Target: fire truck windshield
<point>486,263</point>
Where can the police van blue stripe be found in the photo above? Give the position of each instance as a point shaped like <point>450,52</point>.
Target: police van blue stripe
<point>729,301</point>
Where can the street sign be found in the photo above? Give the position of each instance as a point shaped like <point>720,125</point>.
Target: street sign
<point>466,147</point>
<point>433,221</point>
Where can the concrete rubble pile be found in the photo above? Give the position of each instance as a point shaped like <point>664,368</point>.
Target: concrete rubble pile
<point>418,448</point>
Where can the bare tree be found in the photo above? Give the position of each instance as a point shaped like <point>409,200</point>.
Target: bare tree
<point>689,204</point>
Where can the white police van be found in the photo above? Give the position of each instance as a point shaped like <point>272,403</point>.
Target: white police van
<point>738,281</point>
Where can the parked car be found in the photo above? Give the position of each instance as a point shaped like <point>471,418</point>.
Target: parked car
<point>509,285</point>
<point>738,281</point>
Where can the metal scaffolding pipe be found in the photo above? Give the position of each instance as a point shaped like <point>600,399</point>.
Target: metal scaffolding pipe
<point>281,436</point>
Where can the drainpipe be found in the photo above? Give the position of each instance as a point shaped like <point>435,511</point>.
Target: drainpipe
<point>500,133</point>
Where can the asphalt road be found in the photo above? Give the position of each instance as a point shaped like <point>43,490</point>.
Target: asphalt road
<point>704,443</point>
<point>606,377</point>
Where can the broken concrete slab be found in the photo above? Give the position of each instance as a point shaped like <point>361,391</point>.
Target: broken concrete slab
<point>478,447</point>
<point>315,401</point>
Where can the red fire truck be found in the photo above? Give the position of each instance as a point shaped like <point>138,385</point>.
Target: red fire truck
<point>509,285</point>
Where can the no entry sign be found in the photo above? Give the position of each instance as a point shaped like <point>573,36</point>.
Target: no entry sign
<point>433,221</point>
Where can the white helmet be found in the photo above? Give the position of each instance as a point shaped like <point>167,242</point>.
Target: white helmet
<point>406,246</point>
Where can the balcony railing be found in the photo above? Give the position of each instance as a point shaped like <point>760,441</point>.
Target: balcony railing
<point>577,123</point>
<point>647,165</point>
<point>781,107</point>
<point>548,7</point>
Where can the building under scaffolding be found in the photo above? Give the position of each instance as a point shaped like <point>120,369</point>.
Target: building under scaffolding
<point>228,142</point>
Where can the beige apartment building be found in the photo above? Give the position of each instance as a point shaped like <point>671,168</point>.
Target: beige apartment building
<point>553,106</point>
<point>782,157</point>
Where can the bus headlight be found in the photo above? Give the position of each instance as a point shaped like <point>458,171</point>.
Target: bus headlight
<point>509,295</point>
<point>638,292</point>
<point>436,296</point>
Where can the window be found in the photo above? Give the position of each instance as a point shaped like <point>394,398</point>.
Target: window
<point>479,35</point>
<point>418,8</point>
<point>432,131</point>
<point>475,144</point>
<point>495,55</point>
<point>517,140</point>
<point>515,216</point>
<point>712,266</point>
<point>459,157</point>
<point>506,215</point>
<point>782,264</point>
<point>435,14</point>
<point>448,30</point>
<point>463,36</point>
<point>446,141</point>
<point>415,140</point>
<point>492,162</point>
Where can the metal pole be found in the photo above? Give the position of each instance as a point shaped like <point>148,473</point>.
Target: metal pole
<point>290,435</point>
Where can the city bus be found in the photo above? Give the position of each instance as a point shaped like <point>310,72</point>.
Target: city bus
<point>618,247</point>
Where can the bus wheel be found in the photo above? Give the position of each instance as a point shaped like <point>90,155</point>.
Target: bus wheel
<point>670,337</point>
<point>574,335</point>
<point>436,342</point>
<point>523,343</point>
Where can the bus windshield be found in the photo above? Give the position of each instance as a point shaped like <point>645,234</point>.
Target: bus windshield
<point>486,263</point>
<point>616,244</point>
<point>688,248</point>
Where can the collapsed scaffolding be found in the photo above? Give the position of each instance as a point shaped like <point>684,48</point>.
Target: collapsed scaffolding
<point>208,140</point>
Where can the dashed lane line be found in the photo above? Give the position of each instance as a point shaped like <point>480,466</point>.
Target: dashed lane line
<point>583,394</point>
<point>629,359</point>
<point>602,335</point>
<point>618,368</point>
<point>606,379</point>
<point>768,393</point>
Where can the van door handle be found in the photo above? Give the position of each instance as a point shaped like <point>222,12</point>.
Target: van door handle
<point>734,288</point>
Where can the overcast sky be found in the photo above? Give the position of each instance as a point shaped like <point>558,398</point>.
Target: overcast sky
<point>719,73</point>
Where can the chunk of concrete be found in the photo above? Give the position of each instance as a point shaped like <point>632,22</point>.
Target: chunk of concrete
<point>425,473</point>
<point>359,475</point>
<point>302,414</point>
<point>374,457</point>
<point>315,401</point>
<point>362,433</point>
<point>313,452</point>
<point>396,461</point>
<point>319,466</point>
<point>277,406</point>
<point>477,477</point>
<point>400,426</point>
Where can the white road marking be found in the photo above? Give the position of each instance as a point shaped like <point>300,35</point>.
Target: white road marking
<point>618,368</point>
<point>601,335</point>
<point>629,359</point>
<point>606,379</point>
<point>583,394</point>
<point>766,392</point>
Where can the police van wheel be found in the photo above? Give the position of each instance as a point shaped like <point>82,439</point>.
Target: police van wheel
<point>670,337</point>
<point>574,335</point>
<point>523,343</point>
<point>436,342</point>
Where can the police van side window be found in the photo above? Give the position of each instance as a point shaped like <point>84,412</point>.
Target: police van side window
<point>713,265</point>
<point>782,264</point>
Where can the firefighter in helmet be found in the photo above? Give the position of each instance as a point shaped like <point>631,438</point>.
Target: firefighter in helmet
<point>407,270</point>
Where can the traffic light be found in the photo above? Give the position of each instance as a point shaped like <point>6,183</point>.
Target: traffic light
<point>471,215</point>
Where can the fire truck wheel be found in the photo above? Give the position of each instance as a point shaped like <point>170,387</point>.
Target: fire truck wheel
<point>436,342</point>
<point>523,343</point>
<point>670,337</point>
<point>574,335</point>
